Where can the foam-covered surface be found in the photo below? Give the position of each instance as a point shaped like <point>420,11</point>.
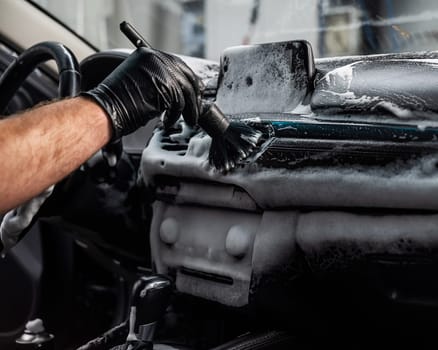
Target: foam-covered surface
<point>335,240</point>
<point>409,185</point>
<point>264,78</point>
<point>404,88</point>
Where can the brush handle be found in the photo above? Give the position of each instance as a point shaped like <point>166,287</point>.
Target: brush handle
<point>134,37</point>
<point>213,121</point>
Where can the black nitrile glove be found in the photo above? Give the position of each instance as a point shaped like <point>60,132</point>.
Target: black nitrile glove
<point>148,83</point>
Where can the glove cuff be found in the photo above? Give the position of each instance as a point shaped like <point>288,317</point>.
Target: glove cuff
<point>109,109</point>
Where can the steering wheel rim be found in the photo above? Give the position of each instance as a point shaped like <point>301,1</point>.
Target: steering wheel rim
<point>17,72</point>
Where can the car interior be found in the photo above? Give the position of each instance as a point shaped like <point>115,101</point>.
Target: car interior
<point>324,237</point>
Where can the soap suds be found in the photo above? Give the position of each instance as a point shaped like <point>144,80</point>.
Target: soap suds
<point>399,185</point>
<point>395,110</point>
<point>274,86</point>
<point>345,74</point>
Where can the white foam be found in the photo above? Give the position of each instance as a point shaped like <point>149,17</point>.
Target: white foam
<point>400,185</point>
<point>396,110</point>
<point>351,97</point>
<point>344,73</point>
<point>302,109</point>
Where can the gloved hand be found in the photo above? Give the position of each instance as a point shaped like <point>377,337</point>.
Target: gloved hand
<point>148,83</point>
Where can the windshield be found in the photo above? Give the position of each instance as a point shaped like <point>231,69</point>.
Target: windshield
<point>204,28</point>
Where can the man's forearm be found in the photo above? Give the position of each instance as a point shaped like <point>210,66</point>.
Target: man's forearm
<point>40,147</point>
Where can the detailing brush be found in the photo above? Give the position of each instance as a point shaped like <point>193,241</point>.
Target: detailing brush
<point>232,141</point>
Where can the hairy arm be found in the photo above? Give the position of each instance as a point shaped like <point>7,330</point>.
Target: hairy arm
<point>40,147</point>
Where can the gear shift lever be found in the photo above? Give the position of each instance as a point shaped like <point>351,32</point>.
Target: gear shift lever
<point>149,300</point>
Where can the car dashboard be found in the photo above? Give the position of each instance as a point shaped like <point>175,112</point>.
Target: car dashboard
<point>326,194</point>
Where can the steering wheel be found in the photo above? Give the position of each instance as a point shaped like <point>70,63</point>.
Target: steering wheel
<point>16,223</point>
<point>68,68</point>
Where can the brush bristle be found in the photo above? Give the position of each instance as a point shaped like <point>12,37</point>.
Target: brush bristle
<point>235,145</point>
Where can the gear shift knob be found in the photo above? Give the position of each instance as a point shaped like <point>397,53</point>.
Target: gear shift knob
<point>149,300</point>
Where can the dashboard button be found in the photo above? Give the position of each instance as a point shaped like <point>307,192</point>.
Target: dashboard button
<point>169,231</point>
<point>238,241</point>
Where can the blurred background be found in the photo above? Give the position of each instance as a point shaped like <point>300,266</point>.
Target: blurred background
<point>204,28</point>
